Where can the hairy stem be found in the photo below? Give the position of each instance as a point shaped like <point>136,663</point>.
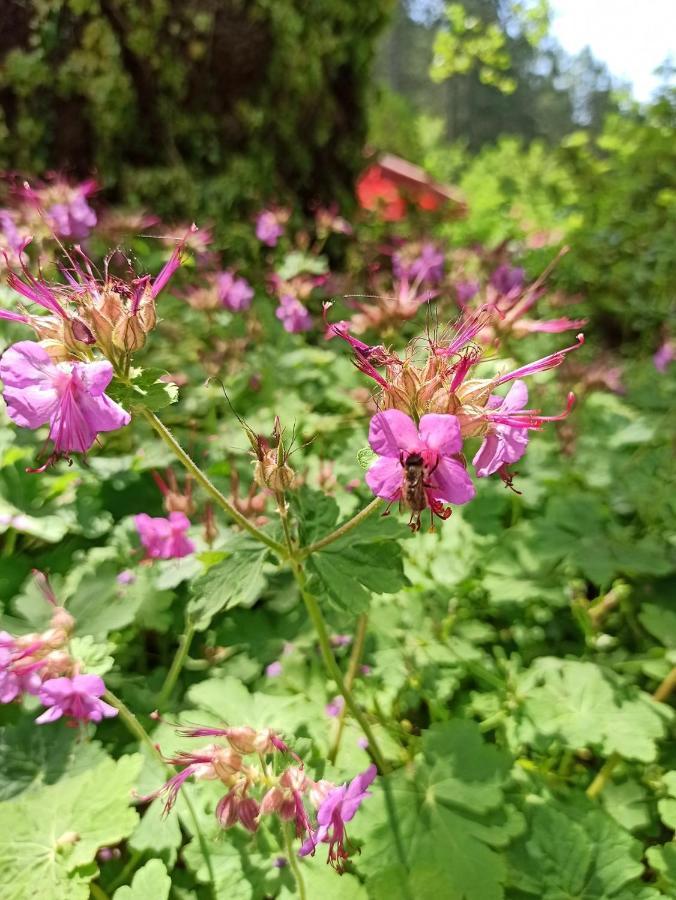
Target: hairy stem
<point>342,529</point>
<point>352,669</point>
<point>662,694</point>
<point>211,489</point>
<point>135,728</point>
<point>176,665</point>
<point>293,862</point>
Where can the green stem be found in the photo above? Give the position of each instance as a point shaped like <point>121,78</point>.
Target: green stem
<point>352,669</point>
<point>138,731</point>
<point>342,530</point>
<point>176,666</point>
<point>662,694</point>
<point>97,892</point>
<point>208,485</point>
<point>603,776</point>
<point>333,668</point>
<point>293,862</point>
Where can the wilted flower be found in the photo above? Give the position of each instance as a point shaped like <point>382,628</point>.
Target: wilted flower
<point>76,698</point>
<point>417,465</point>
<point>164,538</point>
<point>69,396</point>
<point>338,808</point>
<point>234,293</point>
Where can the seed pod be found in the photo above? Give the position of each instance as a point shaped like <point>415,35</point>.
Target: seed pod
<point>128,335</point>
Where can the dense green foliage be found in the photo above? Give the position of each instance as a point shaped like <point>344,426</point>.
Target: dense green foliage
<point>194,108</point>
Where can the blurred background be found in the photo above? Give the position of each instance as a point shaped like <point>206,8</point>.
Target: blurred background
<point>554,119</point>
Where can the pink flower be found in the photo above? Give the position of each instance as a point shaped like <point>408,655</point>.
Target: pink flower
<point>234,293</point>
<point>335,707</point>
<point>268,228</point>
<point>339,807</point>
<point>69,396</point>
<point>76,698</point>
<point>507,279</point>
<point>417,465</point>
<point>664,356</point>
<point>293,314</point>
<point>509,423</point>
<point>164,538</point>
<point>504,444</point>
<point>426,267</point>
<point>274,670</point>
<point>73,219</point>
<point>16,676</point>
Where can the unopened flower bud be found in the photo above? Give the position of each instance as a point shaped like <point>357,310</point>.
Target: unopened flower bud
<point>147,315</point>
<point>62,620</point>
<point>272,801</point>
<point>319,791</point>
<point>81,332</point>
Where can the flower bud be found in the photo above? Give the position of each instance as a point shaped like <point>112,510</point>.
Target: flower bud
<point>248,813</point>
<point>272,801</point>
<point>227,809</point>
<point>147,315</point>
<point>319,791</point>
<point>242,739</point>
<point>128,334</point>
<point>62,620</point>
<point>269,473</point>
<point>226,763</point>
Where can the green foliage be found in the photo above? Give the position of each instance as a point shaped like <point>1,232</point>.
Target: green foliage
<point>151,880</point>
<point>452,819</point>
<point>51,834</point>
<point>145,389</point>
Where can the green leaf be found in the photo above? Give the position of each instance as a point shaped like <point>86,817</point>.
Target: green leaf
<point>144,389</point>
<point>366,560</point>
<point>151,882</point>
<point>32,756</point>
<point>50,836</point>
<point>660,622</point>
<point>452,817</point>
<point>627,803</point>
<point>663,859</point>
<point>157,834</point>
<point>571,851</point>
<point>95,658</point>
<point>100,605</point>
<point>296,262</point>
<point>236,581</point>
<point>577,703</point>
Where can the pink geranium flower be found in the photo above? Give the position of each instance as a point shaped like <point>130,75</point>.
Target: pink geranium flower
<point>509,423</point>
<point>339,807</point>
<point>417,464</point>
<point>164,538</point>
<point>18,674</point>
<point>69,396</point>
<point>234,293</point>
<point>293,314</point>
<point>268,228</point>
<point>76,698</point>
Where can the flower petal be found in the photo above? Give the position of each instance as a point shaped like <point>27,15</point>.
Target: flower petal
<point>516,398</point>
<point>487,458</point>
<point>441,433</point>
<point>450,482</point>
<point>392,431</point>
<point>385,478</point>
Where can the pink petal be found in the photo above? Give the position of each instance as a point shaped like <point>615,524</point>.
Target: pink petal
<point>89,684</point>
<point>487,459</point>
<point>452,483</point>
<point>94,377</point>
<point>516,398</point>
<point>441,433</point>
<point>392,431</point>
<point>49,715</point>
<point>385,478</point>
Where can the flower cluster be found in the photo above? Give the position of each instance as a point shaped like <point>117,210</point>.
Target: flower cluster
<point>430,402</point>
<point>58,381</point>
<point>254,789</point>
<point>40,664</point>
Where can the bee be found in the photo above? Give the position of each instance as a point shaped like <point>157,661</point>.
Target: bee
<point>414,486</point>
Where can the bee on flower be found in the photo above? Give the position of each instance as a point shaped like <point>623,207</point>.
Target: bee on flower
<point>430,401</point>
